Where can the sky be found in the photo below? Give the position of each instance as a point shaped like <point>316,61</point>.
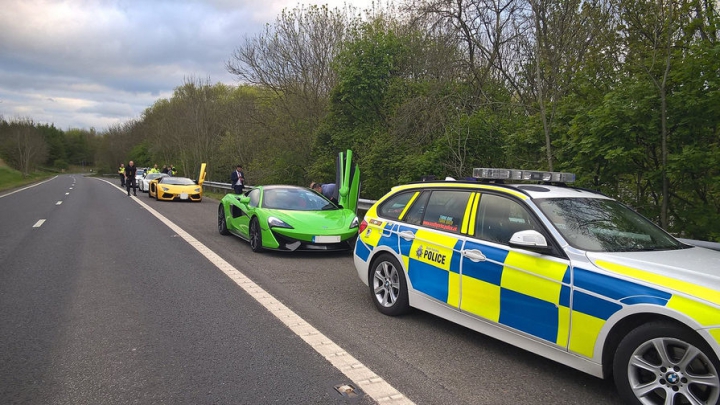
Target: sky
<point>98,63</point>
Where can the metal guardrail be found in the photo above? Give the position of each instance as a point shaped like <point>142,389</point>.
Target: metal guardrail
<point>364,205</point>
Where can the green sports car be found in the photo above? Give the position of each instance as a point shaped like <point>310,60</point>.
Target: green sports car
<point>293,218</point>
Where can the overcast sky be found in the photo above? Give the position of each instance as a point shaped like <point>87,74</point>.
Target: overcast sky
<point>95,63</point>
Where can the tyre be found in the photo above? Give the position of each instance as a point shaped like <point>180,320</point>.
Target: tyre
<point>661,363</point>
<point>388,287</point>
<point>255,236</point>
<point>222,224</point>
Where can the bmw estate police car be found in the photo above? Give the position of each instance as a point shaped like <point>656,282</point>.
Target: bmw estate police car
<point>564,272</point>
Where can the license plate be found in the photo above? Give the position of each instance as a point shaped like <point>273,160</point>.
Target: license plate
<point>326,239</point>
<point>183,196</point>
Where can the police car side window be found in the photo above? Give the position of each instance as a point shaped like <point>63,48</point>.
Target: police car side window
<point>415,214</point>
<point>498,218</point>
<point>445,210</point>
<point>394,206</point>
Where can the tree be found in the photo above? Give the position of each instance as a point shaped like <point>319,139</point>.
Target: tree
<point>22,145</point>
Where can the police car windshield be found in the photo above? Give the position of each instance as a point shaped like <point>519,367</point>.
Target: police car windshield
<point>604,225</point>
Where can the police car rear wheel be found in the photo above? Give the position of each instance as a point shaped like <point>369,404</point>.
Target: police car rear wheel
<point>660,363</point>
<point>388,287</point>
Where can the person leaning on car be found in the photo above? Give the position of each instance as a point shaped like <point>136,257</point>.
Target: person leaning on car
<point>237,179</point>
<point>121,172</point>
<point>329,190</point>
<point>130,172</point>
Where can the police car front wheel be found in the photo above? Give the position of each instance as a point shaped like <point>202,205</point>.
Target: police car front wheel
<point>388,286</point>
<point>660,363</point>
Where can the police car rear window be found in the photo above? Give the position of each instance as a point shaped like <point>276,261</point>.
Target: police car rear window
<point>394,206</point>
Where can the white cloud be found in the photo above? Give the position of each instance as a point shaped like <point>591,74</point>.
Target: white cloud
<point>102,62</point>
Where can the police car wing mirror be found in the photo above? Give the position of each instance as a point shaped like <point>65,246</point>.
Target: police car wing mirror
<point>531,240</point>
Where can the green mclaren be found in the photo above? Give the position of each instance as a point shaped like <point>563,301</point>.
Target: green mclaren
<point>294,218</point>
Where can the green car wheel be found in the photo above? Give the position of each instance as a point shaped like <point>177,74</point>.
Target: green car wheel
<point>255,236</point>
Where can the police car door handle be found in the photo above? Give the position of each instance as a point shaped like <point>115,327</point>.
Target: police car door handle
<point>474,255</point>
<point>407,235</point>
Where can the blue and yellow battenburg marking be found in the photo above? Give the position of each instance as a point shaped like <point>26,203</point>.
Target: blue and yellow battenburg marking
<point>432,261</point>
<point>537,302</point>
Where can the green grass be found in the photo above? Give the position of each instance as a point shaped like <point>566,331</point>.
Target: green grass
<point>11,178</point>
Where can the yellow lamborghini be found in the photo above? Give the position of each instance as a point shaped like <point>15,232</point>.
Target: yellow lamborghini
<point>171,188</point>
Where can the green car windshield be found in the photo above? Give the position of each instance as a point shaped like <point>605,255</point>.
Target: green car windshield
<point>604,225</point>
<point>296,199</point>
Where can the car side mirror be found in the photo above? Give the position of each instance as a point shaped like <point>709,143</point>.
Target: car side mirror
<point>244,199</point>
<point>530,240</point>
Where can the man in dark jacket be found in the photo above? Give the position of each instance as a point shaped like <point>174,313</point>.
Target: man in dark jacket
<point>130,171</point>
<point>237,179</point>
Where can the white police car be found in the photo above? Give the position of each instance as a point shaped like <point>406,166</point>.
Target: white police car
<point>563,272</point>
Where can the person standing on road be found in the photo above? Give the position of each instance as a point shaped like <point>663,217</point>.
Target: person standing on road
<point>237,179</point>
<point>121,172</point>
<point>130,172</point>
<point>164,169</point>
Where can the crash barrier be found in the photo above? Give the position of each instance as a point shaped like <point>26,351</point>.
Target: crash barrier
<point>364,205</point>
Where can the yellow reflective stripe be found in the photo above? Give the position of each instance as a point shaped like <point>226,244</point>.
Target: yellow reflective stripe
<point>544,283</point>
<point>473,213</point>
<point>699,291</point>
<point>407,206</point>
<point>563,326</point>
<point>473,186</point>
<point>584,333</point>
<point>466,217</point>
<point>715,333</point>
<point>480,298</point>
<point>704,314</point>
<point>453,290</point>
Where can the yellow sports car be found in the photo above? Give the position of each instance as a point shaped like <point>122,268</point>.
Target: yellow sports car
<point>172,188</point>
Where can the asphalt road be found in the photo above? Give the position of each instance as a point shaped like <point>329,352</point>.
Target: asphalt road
<point>105,303</point>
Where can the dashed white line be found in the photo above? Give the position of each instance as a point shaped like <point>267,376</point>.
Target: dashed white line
<point>39,223</point>
<point>67,193</point>
<point>58,203</point>
<point>372,384</point>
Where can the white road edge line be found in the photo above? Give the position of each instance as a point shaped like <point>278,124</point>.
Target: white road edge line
<point>372,384</point>
<point>39,223</point>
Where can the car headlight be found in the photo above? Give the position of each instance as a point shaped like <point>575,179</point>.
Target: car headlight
<point>354,223</point>
<point>197,190</point>
<point>165,189</point>
<point>278,223</point>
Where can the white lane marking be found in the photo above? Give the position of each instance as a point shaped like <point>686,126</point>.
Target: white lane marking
<point>58,203</point>
<point>30,186</point>
<point>39,223</point>
<point>372,384</point>
<point>67,193</point>
<point>70,188</point>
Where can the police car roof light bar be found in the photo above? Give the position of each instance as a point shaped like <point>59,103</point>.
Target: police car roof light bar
<point>522,175</point>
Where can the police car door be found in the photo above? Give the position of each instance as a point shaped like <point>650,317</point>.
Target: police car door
<point>431,251</point>
<point>517,288</point>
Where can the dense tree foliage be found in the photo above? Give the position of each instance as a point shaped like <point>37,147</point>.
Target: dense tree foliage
<point>624,93</point>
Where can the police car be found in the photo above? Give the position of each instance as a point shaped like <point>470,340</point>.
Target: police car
<point>564,272</point>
